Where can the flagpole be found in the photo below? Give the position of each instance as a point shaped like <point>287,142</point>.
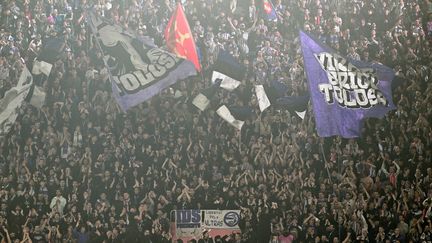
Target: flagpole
<point>93,31</point>
<point>202,78</point>
<point>325,161</point>
<point>240,135</point>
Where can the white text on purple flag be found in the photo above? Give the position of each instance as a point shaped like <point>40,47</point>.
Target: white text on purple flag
<point>348,85</point>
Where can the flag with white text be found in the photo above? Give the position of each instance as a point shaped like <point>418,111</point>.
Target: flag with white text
<point>344,91</point>
<point>138,70</point>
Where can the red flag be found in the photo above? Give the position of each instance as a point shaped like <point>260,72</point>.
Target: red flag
<point>179,38</point>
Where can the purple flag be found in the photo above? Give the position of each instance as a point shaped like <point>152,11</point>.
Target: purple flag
<point>138,70</point>
<point>343,91</point>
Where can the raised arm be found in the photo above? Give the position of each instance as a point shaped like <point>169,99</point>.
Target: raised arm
<point>397,167</point>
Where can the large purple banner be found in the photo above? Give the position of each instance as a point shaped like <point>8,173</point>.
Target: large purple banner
<point>343,91</point>
<point>138,69</point>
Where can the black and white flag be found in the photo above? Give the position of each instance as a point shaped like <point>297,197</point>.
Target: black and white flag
<point>12,101</point>
<point>228,71</point>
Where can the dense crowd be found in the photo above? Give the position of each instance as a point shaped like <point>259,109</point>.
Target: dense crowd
<point>80,170</point>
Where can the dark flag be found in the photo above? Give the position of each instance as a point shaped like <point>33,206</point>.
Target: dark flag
<point>230,116</point>
<point>268,94</point>
<point>294,104</point>
<point>228,70</point>
<point>50,53</point>
<point>241,112</point>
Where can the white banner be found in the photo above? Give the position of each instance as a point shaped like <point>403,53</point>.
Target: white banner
<point>38,98</point>
<point>201,102</point>
<point>261,95</point>
<point>224,112</point>
<point>190,224</point>
<point>220,219</point>
<point>301,114</point>
<point>41,67</point>
<point>227,83</point>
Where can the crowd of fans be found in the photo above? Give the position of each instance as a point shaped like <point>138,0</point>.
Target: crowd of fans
<point>80,170</point>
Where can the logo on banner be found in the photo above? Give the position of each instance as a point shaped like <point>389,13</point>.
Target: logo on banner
<point>231,219</point>
<point>134,65</point>
<point>348,85</point>
<point>188,218</point>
